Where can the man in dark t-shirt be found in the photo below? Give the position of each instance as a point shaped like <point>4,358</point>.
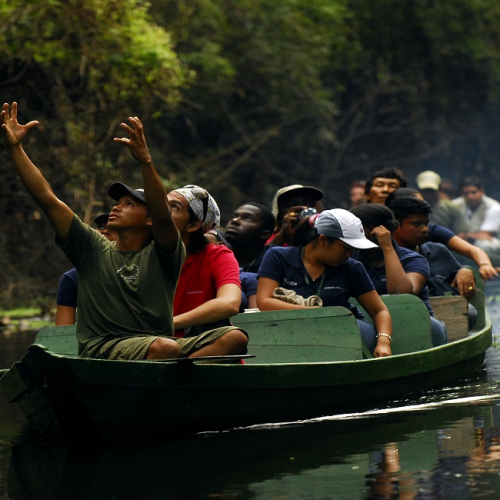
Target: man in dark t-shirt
<point>126,288</point>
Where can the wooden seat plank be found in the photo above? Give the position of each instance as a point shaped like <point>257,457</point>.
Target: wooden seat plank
<point>301,336</point>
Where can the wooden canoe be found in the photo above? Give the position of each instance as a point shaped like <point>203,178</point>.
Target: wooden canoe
<point>307,363</point>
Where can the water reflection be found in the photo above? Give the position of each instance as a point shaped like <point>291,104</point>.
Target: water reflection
<point>439,444</point>
<point>377,457</point>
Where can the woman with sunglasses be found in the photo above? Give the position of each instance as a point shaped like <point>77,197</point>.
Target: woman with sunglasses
<point>208,291</point>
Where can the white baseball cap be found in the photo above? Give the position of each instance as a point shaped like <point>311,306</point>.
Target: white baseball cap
<point>428,180</point>
<point>341,224</point>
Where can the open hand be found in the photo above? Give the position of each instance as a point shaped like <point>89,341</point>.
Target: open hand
<point>136,142</point>
<point>488,271</point>
<point>14,133</point>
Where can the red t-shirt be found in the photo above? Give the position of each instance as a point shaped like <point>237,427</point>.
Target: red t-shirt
<point>202,275</point>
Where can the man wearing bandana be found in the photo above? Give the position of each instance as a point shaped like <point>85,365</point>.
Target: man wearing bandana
<point>208,292</point>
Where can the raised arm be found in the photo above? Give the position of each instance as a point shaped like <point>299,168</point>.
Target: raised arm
<point>165,232</point>
<point>398,280</point>
<point>59,214</point>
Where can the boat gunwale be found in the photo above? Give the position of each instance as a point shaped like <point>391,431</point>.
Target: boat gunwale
<point>202,376</point>
<point>473,335</point>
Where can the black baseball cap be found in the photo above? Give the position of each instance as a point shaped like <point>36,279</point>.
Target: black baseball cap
<point>101,219</point>
<point>119,190</point>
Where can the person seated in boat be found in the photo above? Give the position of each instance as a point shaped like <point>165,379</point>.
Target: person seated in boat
<point>287,206</point>
<point>249,282</point>
<point>382,183</point>
<point>248,278</point>
<point>126,288</point>
<point>246,233</point>
<point>393,269</point>
<point>440,234</point>
<point>319,265</point>
<point>67,291</point>
<point>446,273</point>
<point>208,292</point>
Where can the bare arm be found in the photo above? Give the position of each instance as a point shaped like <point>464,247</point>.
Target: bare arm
<point>378,312</point>
<point>398,280</point>
<point>59,214</point>
<point>478,255</point>
<point>226,304</point>
<point>265,299</point>
<point>252,302</point>
<point>65,315</point>
<point>164,229</point>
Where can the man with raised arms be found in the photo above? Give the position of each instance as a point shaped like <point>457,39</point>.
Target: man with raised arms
<point>126,289</point>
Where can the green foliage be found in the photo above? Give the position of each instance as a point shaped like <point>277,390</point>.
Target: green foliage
<point>244,96</point>
<point>106,47</point>
<point>80,67</point>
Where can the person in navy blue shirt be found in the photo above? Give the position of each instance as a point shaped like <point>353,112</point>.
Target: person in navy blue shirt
<point>248,290</point>
<point>443,235</point>
<point>447,275</point>
<point>393,269</point>
<point>320,264</point>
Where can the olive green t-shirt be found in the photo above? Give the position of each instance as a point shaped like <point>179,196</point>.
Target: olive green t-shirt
<point>121,293</point>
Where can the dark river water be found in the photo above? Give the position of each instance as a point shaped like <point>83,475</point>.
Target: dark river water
<point>443,445</point>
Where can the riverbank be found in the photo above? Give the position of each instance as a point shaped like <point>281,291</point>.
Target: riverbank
<point>24,319</point>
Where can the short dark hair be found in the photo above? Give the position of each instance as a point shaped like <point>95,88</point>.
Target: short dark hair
<point>267,217</point>
<point>400,193</point>
<point>375,214</point>
<point>472,181</point>
<point>386,173</point>
<point>408,205</point>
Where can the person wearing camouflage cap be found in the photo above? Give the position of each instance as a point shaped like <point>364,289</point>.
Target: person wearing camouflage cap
<point>209,291</point>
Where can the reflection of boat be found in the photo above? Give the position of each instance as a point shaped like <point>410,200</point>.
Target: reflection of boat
<point>332,455</point>
<point>308,363</point>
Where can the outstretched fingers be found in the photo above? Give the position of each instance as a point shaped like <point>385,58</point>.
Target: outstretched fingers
<point>136,141</point>
<point>5,114</point>
<point>14,132</point>
<point>13,113</point>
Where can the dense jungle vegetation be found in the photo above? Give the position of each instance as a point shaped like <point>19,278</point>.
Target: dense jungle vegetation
<point>241,97</point>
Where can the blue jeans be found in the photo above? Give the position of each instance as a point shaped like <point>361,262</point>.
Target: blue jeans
<point>472,315</point>
<point>368,334</point>
<point>439,333</point>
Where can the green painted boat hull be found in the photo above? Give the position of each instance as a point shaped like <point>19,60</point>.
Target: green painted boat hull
<point>69,398</point>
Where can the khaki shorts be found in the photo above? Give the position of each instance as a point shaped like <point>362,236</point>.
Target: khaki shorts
<point>135,348</point>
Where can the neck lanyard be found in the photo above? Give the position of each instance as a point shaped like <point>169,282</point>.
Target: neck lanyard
<point>321,281</point>
<point>306,277</point>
